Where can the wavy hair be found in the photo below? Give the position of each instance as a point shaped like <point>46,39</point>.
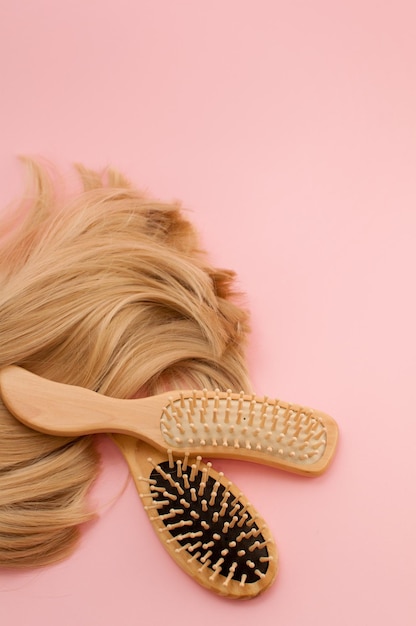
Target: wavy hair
<point>107,289</point>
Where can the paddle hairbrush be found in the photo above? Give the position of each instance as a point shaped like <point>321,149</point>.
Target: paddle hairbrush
<point>211,423</point>
<point>204,522</point>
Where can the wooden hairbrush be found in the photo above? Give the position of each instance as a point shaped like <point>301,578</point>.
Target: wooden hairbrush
<point>204,522</point>
<point>211,423</point>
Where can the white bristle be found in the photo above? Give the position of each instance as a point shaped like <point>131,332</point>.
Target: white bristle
<point>223,419</point>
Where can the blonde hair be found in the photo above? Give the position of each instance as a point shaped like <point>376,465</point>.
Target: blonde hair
<point>108,290</point>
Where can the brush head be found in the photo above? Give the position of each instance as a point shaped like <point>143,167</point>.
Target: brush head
<point>208,526</point>
<point>249,426</point>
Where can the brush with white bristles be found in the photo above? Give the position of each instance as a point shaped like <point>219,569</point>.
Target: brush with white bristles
<point>210,423</point>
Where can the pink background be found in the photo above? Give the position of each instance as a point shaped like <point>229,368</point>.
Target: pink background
<point>289,129</point>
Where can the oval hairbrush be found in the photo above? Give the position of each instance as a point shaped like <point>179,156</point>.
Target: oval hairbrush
<point>204,522</point>
<point>211,423</point>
